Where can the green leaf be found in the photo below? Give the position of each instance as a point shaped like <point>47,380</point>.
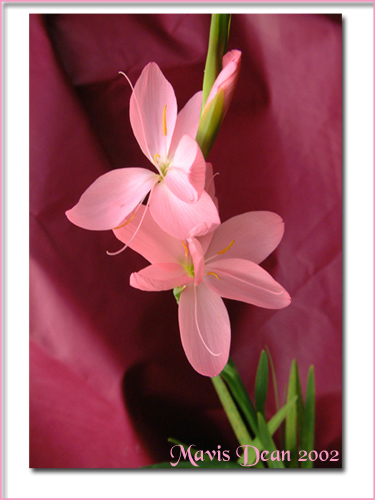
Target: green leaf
<point>291,419</point>
<point>217,46</point>
<point>307,440</point>
<point>274,381</point>
<point>300,407</point>
<point>275,422</point>
<point>261,384</point>
<point>291,425</point>
<point>269,444</point>
<point>240,395</point>
<point>210,122</point>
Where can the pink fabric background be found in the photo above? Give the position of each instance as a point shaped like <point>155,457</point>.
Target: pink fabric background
<point>109,381</point>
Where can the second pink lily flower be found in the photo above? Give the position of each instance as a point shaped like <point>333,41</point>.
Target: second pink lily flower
<point>220,264</point>
<point>177,200</point>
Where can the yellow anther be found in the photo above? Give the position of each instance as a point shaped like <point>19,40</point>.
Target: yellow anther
<point>214,274</point>
<point>127,222</point>
<point>226,249</point>
<point>165,120</point>
<point>186,248</point>
<point>156,159</point>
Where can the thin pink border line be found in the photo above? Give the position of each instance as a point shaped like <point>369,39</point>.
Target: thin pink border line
<point>226,2</point>
<point>1,150</point>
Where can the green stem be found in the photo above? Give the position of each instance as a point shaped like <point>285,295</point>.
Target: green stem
<point>217,46</point>
<point>230,408</point>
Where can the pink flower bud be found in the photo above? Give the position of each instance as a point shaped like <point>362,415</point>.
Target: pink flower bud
<point>227,78</point>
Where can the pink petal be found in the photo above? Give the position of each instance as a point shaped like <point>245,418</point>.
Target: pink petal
<point>186,176</point>
<point>197,255</point>
<point>151,93</point>
<point>187,121</point>
<point>209,186</point>
<point>227,78</point>
<point>151,241</point>
<point>255,235</point>
<point>111,198</point>
<point>243,280</point>
<point>205,329</point>
<point>159,277</point>
<point>183,220</point>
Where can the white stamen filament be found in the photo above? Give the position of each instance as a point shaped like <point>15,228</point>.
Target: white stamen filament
<point>138,227</point>
<point>196,323</point>
<point>211,181</point>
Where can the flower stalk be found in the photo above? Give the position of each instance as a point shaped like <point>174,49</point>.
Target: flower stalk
<point>217,46</point>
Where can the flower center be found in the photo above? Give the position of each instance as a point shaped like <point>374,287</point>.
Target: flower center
<point>188,265</point>
<point>163,165</point>
<point>189,268</point>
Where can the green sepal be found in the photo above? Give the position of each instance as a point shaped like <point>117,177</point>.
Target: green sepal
<point>210,122</point>
<point>261,383</point>
<point>177,292</point>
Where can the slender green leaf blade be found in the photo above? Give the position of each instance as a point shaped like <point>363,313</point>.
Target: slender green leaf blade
<point>274,381</point>
<point>261,384</point>
<point>300,406</point>
<point>291,443</point>
<point>269,444</point>
<point>231,376</point>
<point>307,440</point>
<point>275,422</point>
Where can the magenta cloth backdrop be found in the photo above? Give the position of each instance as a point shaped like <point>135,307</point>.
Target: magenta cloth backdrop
<point>109,381</point>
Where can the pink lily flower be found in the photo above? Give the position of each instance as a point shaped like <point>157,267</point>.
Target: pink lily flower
<point>177,200</point>
<point>223,263</point>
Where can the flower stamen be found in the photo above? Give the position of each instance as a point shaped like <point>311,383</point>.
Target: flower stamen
<point>185,247</point>
<point>128,221</point>
<point>214,274</point>
<point>165,120</point>
<point>156,159</point>
<point>226,249</point>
